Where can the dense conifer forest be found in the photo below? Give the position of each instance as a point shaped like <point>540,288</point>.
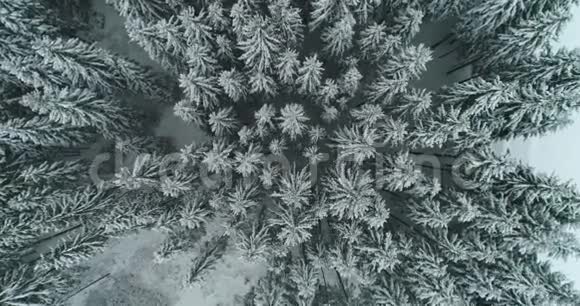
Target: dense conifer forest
<point>325,162</point>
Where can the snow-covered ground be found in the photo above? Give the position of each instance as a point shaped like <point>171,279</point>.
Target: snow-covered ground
<point>132,278</point>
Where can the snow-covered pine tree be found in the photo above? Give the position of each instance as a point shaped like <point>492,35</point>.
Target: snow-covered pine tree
<point>318,130</point>
<point>484,20</point>
<point>557,69</point>
<point>58,96</point>
<point>509,30</point>
<point>537,34</point>
<point>520,107</point>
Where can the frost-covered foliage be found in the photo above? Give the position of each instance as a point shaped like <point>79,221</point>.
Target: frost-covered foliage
<point>317,163</point>
<point>58,96</point>
<point>318,134</point>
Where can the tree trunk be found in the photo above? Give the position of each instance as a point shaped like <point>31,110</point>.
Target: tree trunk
<point>442,41</point>
<point>341,285</point>
<point>475,76</point>
<point>59,233</point>
<point>434,154</point>
<point>448,52</point>
<point>325,285</point>
<point>461,66</point>
<point>83,288</point>
<point>303,251</point>
<point>448,169</point>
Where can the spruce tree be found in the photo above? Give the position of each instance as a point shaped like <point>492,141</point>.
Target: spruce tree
<point>59,95</point>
